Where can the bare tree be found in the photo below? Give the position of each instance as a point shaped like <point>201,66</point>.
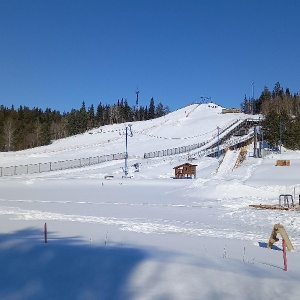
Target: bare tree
<point>58,129</point>
<point>38,132</point>
<point>8,131</point>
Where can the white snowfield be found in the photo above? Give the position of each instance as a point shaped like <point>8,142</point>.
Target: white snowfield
<point>149,236</point>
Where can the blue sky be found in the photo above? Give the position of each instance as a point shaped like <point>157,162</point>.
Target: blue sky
<point>59,53</point>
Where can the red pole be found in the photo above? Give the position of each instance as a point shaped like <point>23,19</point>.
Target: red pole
<point>45,232</point>
<point>284,255</point>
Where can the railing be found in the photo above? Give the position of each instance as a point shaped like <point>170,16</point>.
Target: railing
<point>57,165</point>
<point>211,147</point>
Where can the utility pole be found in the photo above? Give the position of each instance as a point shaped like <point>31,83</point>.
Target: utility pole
<point>205,99</point>
<point>126,151</point>
<point>218,128</point>
<point>137,105</point>
<point>261,139</point>
<point>252,97</point>
<point>255,142</point>
<point>137,98</point>
<point>280,134</point>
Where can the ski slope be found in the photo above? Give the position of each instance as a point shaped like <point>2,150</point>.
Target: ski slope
<point>172,130</point>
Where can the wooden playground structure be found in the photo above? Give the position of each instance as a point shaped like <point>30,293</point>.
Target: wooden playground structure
<point>278,228</point>
<point>286,243</point>
<point>286,202</point>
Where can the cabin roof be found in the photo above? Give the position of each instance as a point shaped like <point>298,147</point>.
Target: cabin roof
<point>186,164</point>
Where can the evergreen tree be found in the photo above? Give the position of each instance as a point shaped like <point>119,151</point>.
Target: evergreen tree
<point>72,124</point>
<point>106,117</point>
<point>46,133</point>
<point>38,132</point>
<point>265,99</point>
<point>141,113</point>
<point>246,106</point>
<point>91,117</point>
<point>127,112</point>
<point>286,129</point>
<point>99,115</point>
<point>146,114</point>
<point>82,119</point>
<point>277,91</point>
<point>295,132</point>
<point>166,110</point>
<point>159,110</point>
<point>270,126</point>
<point>151,112</point>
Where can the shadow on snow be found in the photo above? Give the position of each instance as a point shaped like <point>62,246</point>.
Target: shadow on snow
<point>63,268</point>
<point>68,268</point>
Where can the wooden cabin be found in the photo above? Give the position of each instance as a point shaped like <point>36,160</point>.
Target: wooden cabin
<point>186,170</point>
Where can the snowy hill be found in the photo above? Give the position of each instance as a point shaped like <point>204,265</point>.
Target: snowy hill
<point>151,236</point>
<point>192,124</point>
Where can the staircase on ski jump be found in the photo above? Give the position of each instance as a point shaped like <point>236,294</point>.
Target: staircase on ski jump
<point>229,161</point>
<point>216,145</point>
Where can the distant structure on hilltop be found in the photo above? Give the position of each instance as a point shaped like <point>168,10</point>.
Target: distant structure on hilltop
<point>231,110</point>
<point>212,105</point>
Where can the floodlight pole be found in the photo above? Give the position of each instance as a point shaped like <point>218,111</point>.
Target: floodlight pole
<point>126,152</point>
<point>261,139</point>
<point>280,134</point>
<point>252,100</point>
<point>205,99</point>
<point>218,128</point>
<point>255,142</point>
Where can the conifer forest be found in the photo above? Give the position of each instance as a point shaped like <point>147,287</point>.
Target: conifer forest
<point>24,127</point>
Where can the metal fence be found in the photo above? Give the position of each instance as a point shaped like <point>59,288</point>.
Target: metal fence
<point>57,165</point>
<point>173,151</point>
<point>186,149</point>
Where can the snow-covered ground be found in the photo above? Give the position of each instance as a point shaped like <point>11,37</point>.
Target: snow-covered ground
<point>150,236</point>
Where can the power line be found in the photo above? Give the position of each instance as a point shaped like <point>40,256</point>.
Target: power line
<point>174,138</point>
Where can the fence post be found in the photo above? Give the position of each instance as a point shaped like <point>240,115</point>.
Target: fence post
<point>284,255</point>
<point>1,171</point>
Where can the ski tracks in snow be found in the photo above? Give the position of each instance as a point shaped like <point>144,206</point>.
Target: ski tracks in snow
<point>138,225</point>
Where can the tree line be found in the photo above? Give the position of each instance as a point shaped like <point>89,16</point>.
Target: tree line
<point>281,115</point>
<point>25,128</point>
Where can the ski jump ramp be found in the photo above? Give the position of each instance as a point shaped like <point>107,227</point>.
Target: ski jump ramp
<point>229,161</point>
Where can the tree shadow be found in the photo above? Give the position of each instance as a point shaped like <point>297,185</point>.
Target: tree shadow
<point>63,268</point>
